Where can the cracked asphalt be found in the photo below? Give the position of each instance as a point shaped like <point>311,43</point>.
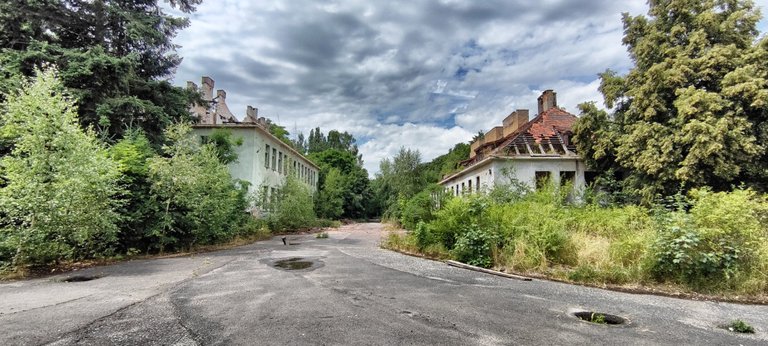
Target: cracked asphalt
<point>353,292</point>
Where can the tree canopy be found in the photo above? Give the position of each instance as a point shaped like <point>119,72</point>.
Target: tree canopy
<point>692,110</point>
<point>114,56</point>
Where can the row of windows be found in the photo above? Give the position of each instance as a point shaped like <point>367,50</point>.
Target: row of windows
<point>280,163</point>
<point>542,178</point>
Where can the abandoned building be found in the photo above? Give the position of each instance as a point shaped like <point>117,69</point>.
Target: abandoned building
<point>263,160</point>
<point>532,152</point>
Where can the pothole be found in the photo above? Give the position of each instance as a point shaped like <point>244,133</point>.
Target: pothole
<point>80,278</point>
<point>294,263</point>
<point>599,318</point>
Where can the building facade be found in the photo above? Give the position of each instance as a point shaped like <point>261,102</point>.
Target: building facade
<point>532,152</point>
<point>263,160</point>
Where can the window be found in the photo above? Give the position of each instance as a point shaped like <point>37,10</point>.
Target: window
<point>462,187</point>
<point>294,168</point>
<point>280,162</point>
<point>266,157</point>
<point>204,140</point>
<point>469,184</point>
<point>542,179</point>
<point>567,177</point>
<point>285,164</point>
<point>274,159</point>
<point>477,185</point>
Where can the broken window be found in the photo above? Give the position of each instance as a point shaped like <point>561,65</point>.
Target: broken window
<point>567,177</point>
<point>542,179</point>
<point>274,159</point>
<point>266,157</point>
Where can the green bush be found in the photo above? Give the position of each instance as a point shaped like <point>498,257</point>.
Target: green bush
<point>418,208</point>
<point>714,245</point>
<point>200,202</point>
<point>475,247</point>
<point>292,208</point>
<point>56,198</point>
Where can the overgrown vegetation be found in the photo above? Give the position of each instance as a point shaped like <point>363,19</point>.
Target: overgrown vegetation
<point>740,326</point>
<point>65,196</point>
<point>705,241</point>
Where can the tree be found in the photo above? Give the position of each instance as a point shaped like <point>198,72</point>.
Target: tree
<point>399,179</point>
<point>692,110</point>
<point>224,144</point>
<point>292,207</point>
<point>57,202</point>
<point>199,201</point>
<point>114,56</point>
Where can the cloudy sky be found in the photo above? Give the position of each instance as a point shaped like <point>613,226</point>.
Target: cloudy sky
<point>419,74</point>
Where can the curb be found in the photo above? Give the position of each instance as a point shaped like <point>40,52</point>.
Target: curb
<point>487,271</point>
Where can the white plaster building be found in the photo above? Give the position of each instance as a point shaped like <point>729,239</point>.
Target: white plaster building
<point>263,160</point>
<point>529,151</point>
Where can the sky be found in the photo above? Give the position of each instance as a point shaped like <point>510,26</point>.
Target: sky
<point>423,75</point>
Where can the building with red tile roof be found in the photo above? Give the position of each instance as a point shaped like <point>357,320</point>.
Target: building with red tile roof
<point>527,151</point>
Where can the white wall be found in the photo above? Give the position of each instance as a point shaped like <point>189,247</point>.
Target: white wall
<point>492,172</point>
<point>250,164</point>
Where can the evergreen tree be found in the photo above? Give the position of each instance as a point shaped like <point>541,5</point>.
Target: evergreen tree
<point>113,55</point>
<point>692,110</point>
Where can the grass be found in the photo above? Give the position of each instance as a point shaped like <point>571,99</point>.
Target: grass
<point>322,235</point>
<point>740,326</point>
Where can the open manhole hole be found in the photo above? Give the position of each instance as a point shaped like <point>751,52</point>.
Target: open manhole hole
<point>599,318</point>
<point>294,263</point>
<point>80,278</point>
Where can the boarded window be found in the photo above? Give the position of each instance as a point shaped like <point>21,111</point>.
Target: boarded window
<point>266,157</point>
<point>542,179</point>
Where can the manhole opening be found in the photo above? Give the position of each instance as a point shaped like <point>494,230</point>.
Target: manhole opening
<point>294,263</point>
<point>599,318</point>
<point>80,278</point>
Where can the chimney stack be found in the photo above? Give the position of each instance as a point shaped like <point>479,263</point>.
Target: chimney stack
<point>207,88</point>
<point>252,112</point>
<point>513,121</point>
<point>547,100</point>
<point>221,95</point>
<point>251,115</point>
<point>191,85</point>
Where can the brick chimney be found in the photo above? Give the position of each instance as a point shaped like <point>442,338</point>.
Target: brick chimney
<point>514,120</point>
<point>207,86</point>
<point>251,115</point>
<point>191,85</point>
<point>547,100</point>
<point>221,95</point>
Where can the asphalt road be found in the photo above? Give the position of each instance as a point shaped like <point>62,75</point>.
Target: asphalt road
<point>352,293</point>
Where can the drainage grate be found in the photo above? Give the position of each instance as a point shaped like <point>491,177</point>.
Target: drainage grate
<point>599,318</point>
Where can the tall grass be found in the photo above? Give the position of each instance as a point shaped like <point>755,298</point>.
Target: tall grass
<point>713,242</point>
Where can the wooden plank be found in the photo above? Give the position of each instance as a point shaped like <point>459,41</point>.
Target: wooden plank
<point>487,271</point>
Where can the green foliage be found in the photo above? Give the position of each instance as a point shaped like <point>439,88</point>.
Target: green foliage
<point>713,241</point>
<point>200,203</point>
<point>715,244</point>
<point>740,326</point>
<point>225,145</point>
<point>693,108</point>
<point>114,57</point>
<point>344,189</point>
<point>420,208</point>
<point>445,164</point>
<point>139,210</point>
<point>292,208</point>
<point>57,199</point>
<point>398,180</point>
<point>322,235</point>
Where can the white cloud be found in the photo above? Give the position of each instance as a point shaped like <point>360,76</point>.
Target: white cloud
<point>424,75</point>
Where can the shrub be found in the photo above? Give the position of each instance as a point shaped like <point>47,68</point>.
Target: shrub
<point>418,208</point>
<point>200,202</point>
<point>292,208</point>
<point>475,247</point>
<point>717,244</point>
<point>57,200</point>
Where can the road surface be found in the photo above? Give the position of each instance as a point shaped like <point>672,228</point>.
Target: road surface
<point>351,293</point>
